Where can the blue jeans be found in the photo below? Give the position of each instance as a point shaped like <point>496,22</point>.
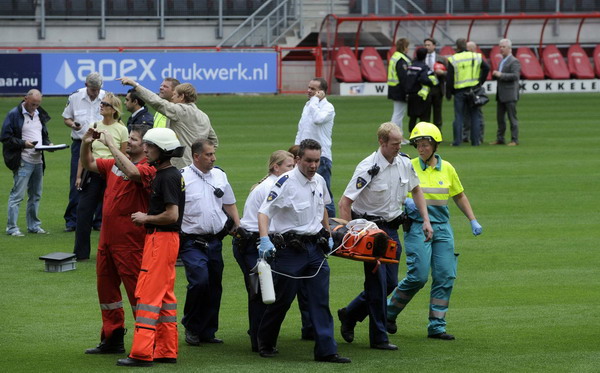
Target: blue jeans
<point>462,107</point>
<point>29,176</point>
<point>325,171</point>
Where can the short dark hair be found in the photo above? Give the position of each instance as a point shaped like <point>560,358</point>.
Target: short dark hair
<point>294,150</point>
<point>174,82</point>
<point>308,144</point>
<point>432,40</point>
<point>198,145</point>
<point>136,97</point>
<point>461,44</point>
<point>322,83</point>
<point>140,128</point>
<point>421,54</point>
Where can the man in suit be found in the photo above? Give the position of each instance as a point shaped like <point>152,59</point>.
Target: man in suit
<point>137,107</point>
<point>507,94</point>
<point>437,92</point>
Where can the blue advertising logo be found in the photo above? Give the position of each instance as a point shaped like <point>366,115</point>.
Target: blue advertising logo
<point>217,72</point>
<point>20,73</point>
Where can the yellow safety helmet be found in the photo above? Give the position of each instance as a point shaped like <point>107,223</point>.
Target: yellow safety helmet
<point>425,130</point>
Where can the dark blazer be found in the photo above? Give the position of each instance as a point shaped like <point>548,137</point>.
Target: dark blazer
<point>142,117</point>
<point>12,133</point>
<point>508,84</point>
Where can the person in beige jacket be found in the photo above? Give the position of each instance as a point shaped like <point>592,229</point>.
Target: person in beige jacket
<point>187,121</point>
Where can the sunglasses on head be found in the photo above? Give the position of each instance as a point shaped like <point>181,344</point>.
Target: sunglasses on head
<point>102,103</point>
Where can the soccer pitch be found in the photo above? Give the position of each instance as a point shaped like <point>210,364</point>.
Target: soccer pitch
<point>527,293</point>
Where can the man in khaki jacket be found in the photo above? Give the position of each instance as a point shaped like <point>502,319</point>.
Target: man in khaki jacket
<point>187,121</point>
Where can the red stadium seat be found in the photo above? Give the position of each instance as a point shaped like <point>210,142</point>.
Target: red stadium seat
<point>346,66</point>
<point>555,66</point>
<point>495,57</point>
<point>579,63</point>
<point>596,58</point>
<point>447,50</point>
<point>530,66</point>
<point>371,66</point>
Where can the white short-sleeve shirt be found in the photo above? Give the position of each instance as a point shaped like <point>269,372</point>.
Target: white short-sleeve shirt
<point>255,199</point>
<point>83,111</point>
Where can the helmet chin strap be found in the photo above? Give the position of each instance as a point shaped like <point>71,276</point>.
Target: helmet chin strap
<point>432,153</point>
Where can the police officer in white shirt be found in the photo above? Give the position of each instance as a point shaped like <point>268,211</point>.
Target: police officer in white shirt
<point>317,123</point>
<point>244,242</point>
<point>295,208</point>
<point>209,215</point>
<point>377,192</point>
<point>83,109</point>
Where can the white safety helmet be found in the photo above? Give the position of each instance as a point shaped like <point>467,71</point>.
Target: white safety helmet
<point>166,140</point>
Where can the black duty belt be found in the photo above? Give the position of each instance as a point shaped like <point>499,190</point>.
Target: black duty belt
<point>205,237</point>
<point>393,224</point>
<point>158,229</point>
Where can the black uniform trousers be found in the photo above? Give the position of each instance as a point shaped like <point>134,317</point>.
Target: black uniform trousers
<point>300,263</point>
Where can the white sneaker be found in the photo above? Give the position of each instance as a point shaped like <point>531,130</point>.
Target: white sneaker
<point>39,231</point>
<point>16,233</point>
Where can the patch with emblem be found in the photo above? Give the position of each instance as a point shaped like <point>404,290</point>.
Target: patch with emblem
<point>360,182</point>
<point>281,180</point>
<point>441,182</point>
<point>272,196</point>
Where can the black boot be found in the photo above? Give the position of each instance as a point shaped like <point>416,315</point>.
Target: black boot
<point>112,345</point>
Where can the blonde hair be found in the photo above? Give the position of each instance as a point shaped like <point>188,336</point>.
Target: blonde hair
<point>116,104</point>
<point>384,130</point>
<point>277,158</point>
<point>187,91</point>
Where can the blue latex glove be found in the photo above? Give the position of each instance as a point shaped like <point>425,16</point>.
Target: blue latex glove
<point>476,227</point>
<point>266,249</point>
<point>330,242</point>
<point>409,203</point>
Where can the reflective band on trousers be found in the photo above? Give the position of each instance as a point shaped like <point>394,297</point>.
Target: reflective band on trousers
<point>437,314</point>
<point>111,306</point>
<point>439,302</point>
<point>169,306</point>
<point>148,307</point>
<point>146,320</point>
<point>167,319</point>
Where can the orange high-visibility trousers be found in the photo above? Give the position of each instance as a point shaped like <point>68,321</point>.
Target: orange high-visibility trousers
<point>113,266</point>
<point>155,333</point>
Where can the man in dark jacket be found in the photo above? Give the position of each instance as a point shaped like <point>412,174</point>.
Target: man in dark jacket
<point>23,129</point>
<point>137,107</point>
<point>419,81</point>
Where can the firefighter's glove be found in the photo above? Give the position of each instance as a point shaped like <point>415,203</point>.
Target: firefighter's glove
<point>476,227</point>
<point>409,203</point>
<point>266,249</point>
<point>330,242</point>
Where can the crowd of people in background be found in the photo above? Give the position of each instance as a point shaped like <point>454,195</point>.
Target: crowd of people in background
<point>152,189</point>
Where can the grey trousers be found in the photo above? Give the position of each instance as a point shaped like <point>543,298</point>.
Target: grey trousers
<point>510,108</point>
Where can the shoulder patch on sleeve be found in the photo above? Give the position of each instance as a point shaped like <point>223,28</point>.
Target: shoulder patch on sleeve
<point>281,180</point>
<point>404,155</point>
<point>272,195</point>
<point>360,183</point>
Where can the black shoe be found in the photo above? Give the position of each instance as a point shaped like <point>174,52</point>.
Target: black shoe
<point>69,229</point>
<point>165,360</point>
<point>335,358</point>
<point>112,345</point>
<point>97,228</point>
<point>346,327</point>
<point>391,326</point>
<point>308,335</point>
<point>192,338</point>
<point>384,346</point>
<point>445,336</point>
<point>268,352</point>
<point>212,340</point>
<point>131,362</point>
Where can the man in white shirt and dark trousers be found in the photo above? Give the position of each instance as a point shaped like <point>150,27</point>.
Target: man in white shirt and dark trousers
<point>295,208</point>
<point>317,123</point>
<point>377,192</point>
<point>83,109</point>
<point>209,215</point>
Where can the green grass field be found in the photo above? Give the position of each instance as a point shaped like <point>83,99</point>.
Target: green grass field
<point>527,294</point>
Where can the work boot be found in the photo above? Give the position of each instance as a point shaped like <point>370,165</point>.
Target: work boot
<point>444,336</point>
<point>391,326</point>
<point>112,345</point>
<point>192,338</point>
<point>347,326</point>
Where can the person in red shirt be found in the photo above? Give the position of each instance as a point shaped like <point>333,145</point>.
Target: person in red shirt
<point>121,242</point>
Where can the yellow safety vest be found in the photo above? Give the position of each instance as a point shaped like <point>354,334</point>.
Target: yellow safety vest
<point>160,121</point>
<point>467,68</point>
<point>392,74</point>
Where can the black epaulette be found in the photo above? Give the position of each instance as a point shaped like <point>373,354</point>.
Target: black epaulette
<point>404,155</point>
<point>282,180</point>
<point>220,168</point>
